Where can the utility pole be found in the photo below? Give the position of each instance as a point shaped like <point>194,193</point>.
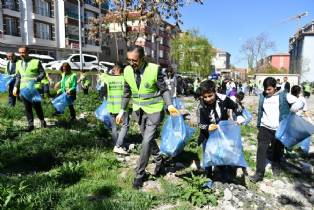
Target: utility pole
<point>80,34</point>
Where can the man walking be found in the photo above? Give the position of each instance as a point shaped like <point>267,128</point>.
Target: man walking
<point>144,83</point>
<point>10,70</point>
<point>29,69</point>
<point>285,85</point>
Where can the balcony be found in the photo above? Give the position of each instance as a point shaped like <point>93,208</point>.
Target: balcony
<point>72,37</point>
<point>71,14</point>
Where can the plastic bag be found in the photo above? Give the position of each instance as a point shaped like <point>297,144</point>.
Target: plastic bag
<point>294,129</point>
<point>175,135</point>
<point>224,146</point>
<point>247,116</point>
<point>30,93</point>
<point>305,145</point>
<point>177,103</point>
<point>4,82</point>
<point>61,102</point>
<point>103,115</point>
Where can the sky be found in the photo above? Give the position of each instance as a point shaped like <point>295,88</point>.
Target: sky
<point>228,23</point>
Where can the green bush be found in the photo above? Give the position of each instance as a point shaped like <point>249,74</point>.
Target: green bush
<point>195,193</point>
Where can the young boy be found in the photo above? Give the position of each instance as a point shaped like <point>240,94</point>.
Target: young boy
<point>113,91</point>
<point>296,91</point>
<point>213,107</point>
<point>273,107</point>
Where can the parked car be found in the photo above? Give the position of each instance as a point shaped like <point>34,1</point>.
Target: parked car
<point>105,66</point>
<point>90,62</point>
<point>45,59</point>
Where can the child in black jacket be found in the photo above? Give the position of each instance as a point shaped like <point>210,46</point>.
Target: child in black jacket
<point>213,107</point>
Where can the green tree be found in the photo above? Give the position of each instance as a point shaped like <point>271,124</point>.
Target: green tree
<point>192,52</point>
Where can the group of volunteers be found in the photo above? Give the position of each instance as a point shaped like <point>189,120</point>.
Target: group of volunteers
<point>141,88</point>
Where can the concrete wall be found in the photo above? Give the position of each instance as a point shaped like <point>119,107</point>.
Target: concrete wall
<point>307,62</point>
<point>293,79</point>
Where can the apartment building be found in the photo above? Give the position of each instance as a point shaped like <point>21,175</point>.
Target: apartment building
<point>154,37</point>
<point>48,27</point>
<point>301,47</point>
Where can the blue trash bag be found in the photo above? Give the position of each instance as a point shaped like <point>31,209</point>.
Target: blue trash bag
<point>305,145</point>
<point>175,135</point>
<point>4,82</point>
<point>177,103</point>
<point>103,115</point>
<point>247,116</point>
<point>30,93</point>
<point>294,129</point>
<point>61,102</point>
<point>224,146</point>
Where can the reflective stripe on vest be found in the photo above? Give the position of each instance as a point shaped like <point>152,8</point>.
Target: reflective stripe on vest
<point>147,96</point>
<point>30,73</point>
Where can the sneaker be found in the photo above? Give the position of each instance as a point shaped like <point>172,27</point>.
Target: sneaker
<point>29,128</point>
<point>256,178</point>
<point>137,183</point>
<point>120,150</point>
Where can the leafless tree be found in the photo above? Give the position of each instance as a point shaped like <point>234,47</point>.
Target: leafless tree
<point>256,48</point>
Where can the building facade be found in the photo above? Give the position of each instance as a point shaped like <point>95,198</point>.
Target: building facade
<point>301,47</point>
<point>154,38</point>
<point>279,60</point>
<point>48,27</point>
<point>221,63</point>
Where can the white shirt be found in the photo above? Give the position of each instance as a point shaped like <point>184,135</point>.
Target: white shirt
<point>271,112</point>
<point>304,109</point>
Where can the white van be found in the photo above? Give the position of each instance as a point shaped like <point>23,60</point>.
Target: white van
<point>90,62</point>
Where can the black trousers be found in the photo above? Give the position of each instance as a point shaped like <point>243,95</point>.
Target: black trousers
<point>29,111</point>
<point>266,138</point>
<point>72,111</point>
<point>11,97</point>
<point>85,91</point>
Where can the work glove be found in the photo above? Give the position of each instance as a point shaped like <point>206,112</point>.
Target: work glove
<point>119,117</point>
<point>15,91</point>
<point>173,111</point>
<point>212,127</point>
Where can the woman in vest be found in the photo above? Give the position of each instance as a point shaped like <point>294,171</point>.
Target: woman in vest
<point>273,107</point>
<point>113,91</point>
<point>68,85</point>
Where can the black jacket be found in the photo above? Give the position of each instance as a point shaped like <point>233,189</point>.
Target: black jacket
<point>207,115</point>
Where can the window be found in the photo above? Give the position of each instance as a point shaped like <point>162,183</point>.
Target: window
<point>75,58</point>
<point>11,4</point>
<point>11,26</point>
<point>42,7</point>
<point>161,54</point>
<point>71,10</point>
<point>161,40</point>
<point>153,38</point>
<point>89,59</point>
<point>42,30</point>
<point>91,2</point>
<point>153,54</point>
<point>88,15</point>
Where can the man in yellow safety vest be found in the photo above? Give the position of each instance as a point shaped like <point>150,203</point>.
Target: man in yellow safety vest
<point>145,85</point>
